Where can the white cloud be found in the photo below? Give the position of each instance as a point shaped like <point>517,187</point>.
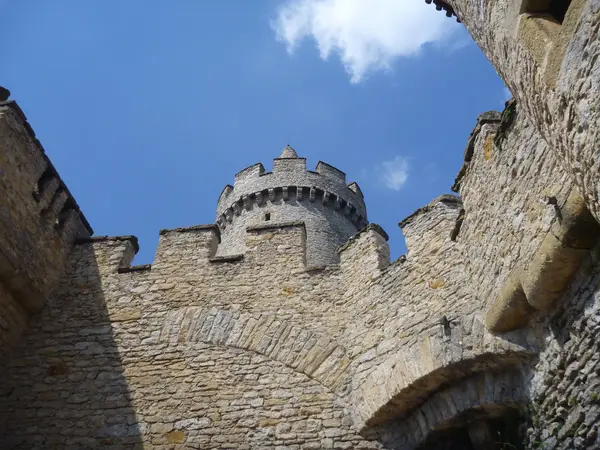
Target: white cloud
<point>368,35</point>
<point>393,173</point>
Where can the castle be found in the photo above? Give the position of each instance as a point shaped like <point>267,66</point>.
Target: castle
<point>284,325</point>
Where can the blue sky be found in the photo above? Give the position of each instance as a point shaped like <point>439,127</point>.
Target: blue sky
<point>149,108</point>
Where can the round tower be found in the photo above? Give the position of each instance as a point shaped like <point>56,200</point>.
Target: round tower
<point>331,210</point>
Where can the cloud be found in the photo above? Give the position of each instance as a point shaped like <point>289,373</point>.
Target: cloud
<point>393,173</point>
<point>367,35</point>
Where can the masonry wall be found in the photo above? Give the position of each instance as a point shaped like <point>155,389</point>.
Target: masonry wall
<point>206,351</point>
<point>565,388</point>
<point>13,320</point>
<point>327,229</point>
<point>552,71</point>
<point>39,222</point>
<point>39,219</point>
<point>190,353</point>
<point>209,349</point>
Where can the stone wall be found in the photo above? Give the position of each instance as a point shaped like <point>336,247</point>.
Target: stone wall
<point>553,72</point>
<point>565,388</point>
<point>39,221</point>
<point>233,339</point>
<point>193,352</point>
<point>213,351</point>
<point>13,320</point>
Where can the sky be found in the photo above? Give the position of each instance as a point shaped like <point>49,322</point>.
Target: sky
<point>147,109</point>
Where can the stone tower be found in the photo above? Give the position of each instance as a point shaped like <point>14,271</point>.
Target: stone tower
<point>332,211</point>
<point>484,335</point>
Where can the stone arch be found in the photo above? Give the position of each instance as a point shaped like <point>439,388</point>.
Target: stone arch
<point>311,353</point>
<point>466,404</point>
<point>420,365</point>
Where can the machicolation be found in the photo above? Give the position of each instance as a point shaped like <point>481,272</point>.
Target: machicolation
<point>284,325</point>
<point>331,210</point>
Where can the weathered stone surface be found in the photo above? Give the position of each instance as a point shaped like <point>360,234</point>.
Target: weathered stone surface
<point>283,326</point>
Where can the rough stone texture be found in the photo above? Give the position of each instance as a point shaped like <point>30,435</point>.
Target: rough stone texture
<point>208,351</point>
<point>13,320</point>
<point>484,335</point>
<point>565,389</point>
<point>559,96</point>
<point>39,222</point>
<point>168,356</point>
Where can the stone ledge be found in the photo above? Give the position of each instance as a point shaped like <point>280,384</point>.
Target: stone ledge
<point>94,239</point>
<point>316,268</point>
<point>191,229</point>
<point>538,284</point>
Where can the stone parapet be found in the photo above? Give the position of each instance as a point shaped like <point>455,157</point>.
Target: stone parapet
<point>429,226</point>
<point>291,173</point>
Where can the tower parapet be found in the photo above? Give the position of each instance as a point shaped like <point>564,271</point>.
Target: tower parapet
<point>331,209</point>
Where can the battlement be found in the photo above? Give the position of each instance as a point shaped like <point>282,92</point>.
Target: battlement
<point>290,174</point>
<point>284,326</point>
<point>435,222</point>
<point>332,209</point>
<point>280,244</point>
<point>194,249</point>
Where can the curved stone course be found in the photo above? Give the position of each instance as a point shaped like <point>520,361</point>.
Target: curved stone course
<point>313,354</point>
<point>486,395</point>
<point>404,378</point>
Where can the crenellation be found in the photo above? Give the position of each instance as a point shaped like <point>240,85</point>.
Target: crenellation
<point>250,172</point>
<point>291,192</point>
<point>283,243</point>
<point>223,198</point>
<point>491,117</point>
<point>186,246</point>
<point>284,325</point>
<point>434,222</point>
<point>289,166</point>
<point>111,253</point>
<point>327,170</point>
<point>366,254</point>
<point>354,187</point>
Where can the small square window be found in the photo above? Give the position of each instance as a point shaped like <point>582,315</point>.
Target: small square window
<point>556,9</point>
<point>267,216</point>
